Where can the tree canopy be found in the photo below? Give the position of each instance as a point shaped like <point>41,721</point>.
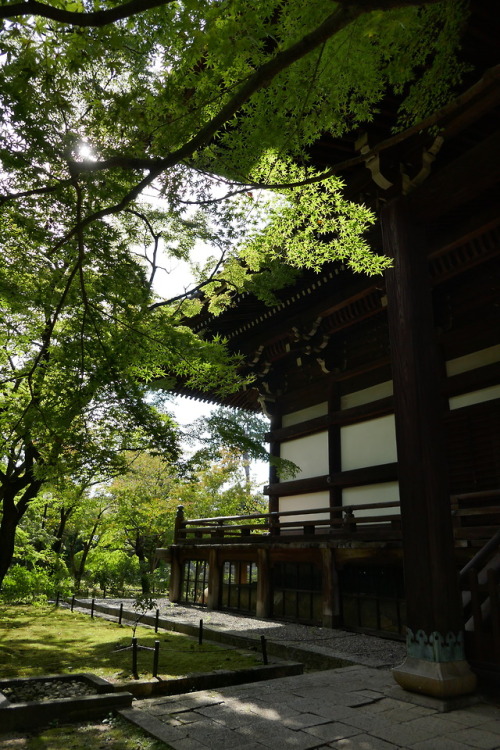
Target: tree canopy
<point>130,131</point>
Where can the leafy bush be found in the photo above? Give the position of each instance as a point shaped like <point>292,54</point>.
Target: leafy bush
<point>111,570</point>
<point>35,584</point>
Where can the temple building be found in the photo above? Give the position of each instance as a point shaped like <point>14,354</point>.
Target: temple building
<point>386,392</point>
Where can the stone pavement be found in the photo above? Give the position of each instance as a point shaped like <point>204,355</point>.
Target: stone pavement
<point>352,708</point>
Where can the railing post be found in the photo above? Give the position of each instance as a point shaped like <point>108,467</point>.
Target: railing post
<point>274,524</point>
<point>180,524</point>
<point>219,530</point>
<point>494,597</point>
<point>349,522</point>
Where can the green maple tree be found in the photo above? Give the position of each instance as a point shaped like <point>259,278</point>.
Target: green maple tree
<point>107,106</point>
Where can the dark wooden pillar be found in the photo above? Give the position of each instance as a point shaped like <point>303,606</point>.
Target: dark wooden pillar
<point>330,588</point>
<point>175,575</point>
<point>214,580</point>
<point>274,450</point>
<point>334,450</point>
<point>264,589</point>
<point>435,662</point>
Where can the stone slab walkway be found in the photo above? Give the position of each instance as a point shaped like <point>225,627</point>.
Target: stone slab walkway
<point>352,708</point>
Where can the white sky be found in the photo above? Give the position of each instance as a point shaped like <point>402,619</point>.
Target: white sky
<point>186,410</point>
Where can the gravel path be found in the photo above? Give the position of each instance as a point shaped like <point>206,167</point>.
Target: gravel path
<point>359,648</point>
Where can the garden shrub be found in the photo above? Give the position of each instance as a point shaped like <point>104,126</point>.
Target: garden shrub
<point>35,584</point>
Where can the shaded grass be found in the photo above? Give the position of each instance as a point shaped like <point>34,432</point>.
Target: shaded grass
<point>44,640</point>
<point>111,733</point>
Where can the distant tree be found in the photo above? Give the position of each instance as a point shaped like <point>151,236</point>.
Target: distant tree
<point>242,432</point>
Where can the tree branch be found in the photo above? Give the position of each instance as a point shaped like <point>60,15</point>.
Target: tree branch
<point>35,191</point>
<point>74,18</point>
<point>341,17</point>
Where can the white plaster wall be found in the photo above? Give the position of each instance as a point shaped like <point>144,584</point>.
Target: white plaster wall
<point>372,493</point>
<point>367,395</point>
<point>303,502</point>
<point>474,360</point>
<point>475,397</point>
<point>309,453</point>
<point>303,415</point>
<point>369,443</point>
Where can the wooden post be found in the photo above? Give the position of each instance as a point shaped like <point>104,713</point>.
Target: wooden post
<point>330,588</point>
<point>214,576</point>
<point>334,451</point>
<point>435,663</point>
<point>274,503</point>
<point>179,528</point>
<point>156,658</point>
<point>175,576</point>
<point>134,659</point>
<point>264,588</point>
<point>242,572</point>
<point>263,645</point>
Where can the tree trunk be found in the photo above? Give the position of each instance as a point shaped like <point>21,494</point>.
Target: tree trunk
<point>7,538</point>
<point>63,518</point>
<point>143,565</point>
<point>11,516</point>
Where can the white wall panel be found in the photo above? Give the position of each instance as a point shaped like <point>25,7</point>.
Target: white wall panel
<point>475,397</point>
<point>304,502</point>
<point>368,443</point>
<point>372,493</point>
<point>310,453</point>
<point>303,415</point>
<point>367,395</point>
<point>474,360</point>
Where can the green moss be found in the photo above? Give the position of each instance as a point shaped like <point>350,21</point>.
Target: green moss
<point>112,734</point>
<point>44,640</point>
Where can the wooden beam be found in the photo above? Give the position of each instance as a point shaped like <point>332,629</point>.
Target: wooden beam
<point>473,173</point>
<point>352,478</point>
<point>339,417</point>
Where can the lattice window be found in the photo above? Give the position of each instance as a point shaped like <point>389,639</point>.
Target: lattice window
<point>194,582</point>
<point>239,586</point>
<point>297,592</point>
<point>373,598</point>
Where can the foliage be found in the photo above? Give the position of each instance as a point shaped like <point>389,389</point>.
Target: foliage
<point>111,569</point>
<point>34,585</point>
<point>243,433</point>
<point>115,120</point>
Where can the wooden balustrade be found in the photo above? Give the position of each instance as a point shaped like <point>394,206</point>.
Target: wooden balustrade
<point>354,520</point>
<point>480,586</point>
<point>476,516</point>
